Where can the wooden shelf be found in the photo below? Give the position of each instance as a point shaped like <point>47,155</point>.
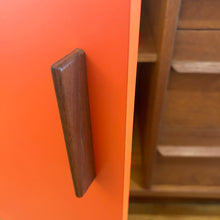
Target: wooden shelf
<point>177,177</point>
<point>174,191</point>
<point>200,170</point>
<point>146,51</point>
<point>173,211</point>
<point>197,52</point>
<point>196,67</point>
<point>137,190</point>
<point>189,151</point>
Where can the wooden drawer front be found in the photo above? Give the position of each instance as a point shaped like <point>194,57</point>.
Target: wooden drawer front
<point>189,140</point>
<point>192,102</point>
<point>199,14</point>
<point>197,51</point>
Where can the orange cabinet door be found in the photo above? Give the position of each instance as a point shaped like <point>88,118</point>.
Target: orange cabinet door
<point>35,178</point>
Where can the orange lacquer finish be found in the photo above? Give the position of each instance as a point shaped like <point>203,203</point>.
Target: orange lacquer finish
<point>35,179</point>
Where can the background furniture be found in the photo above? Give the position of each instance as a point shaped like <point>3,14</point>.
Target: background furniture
<point>176,146</point>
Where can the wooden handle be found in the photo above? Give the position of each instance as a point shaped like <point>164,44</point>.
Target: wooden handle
<point>70,82</point>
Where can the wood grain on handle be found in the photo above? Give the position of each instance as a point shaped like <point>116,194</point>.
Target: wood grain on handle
<point>70,82</point>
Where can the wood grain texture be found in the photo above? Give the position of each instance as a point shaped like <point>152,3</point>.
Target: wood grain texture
<point>192,102</point>
<point>172,217</point>
<point>146,51</point>
<point>175,177</point>
<point>203,14</point>
<point>190,109</point>
<point>173,211</point>
<point>186,136</point>
<point>154,15</point>
<point>175,208</point>
<point>184,171</point>
<point>173,192</point>
<point>190,119</point>
<point>70,82</point>
<point>163,20</point>
<point>194,82</point>
<point>197,52</point>
<point>190,123</point>
<point>189,151</point>
<point>196,67</point>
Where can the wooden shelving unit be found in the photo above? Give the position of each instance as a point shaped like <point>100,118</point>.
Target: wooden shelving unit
<point>171,176</point>
<point>176,140</point>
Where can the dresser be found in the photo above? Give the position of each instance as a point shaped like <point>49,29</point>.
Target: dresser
<point>176,151</point>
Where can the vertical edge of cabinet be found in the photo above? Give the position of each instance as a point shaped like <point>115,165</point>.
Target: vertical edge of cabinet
<point>70,83</point>
<point>135,12</point>
<point>164,33</point>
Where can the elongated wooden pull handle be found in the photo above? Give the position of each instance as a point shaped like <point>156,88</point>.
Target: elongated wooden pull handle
<point>70,82</point>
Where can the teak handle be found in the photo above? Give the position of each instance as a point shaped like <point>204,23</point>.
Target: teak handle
<point>70,82</point>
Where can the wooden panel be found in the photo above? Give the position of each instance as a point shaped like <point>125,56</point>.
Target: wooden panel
<point>172,217</point>
<point>187,136</point>
<point>193,82</point>
<point>146,51</point>
<point>191,119</point>
<point>154,11</point>
<point>175,177</point>
<point>144,74</point>
<point>163,24</point>
<point>70,82</point>
<point>197,52</point>
<point>192,109</point>
<point>178,178</point>
<point>200,46</point>
<point>176,171</point>
<point>173,211</point>
<point>189,151</point>
<point>174,208</point>
<point>174,191</point>
<point>187,171</point>
<point>192,101</point>
<point>202,14</point>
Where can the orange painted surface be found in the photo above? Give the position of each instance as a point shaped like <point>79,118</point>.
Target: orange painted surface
<point>135,12</point>
<point>35,179</point>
